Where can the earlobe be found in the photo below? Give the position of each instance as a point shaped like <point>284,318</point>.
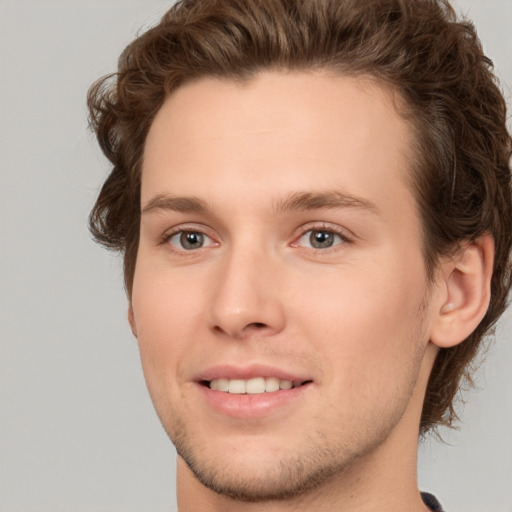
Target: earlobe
<point>131,319</point>
<point>467,285</point>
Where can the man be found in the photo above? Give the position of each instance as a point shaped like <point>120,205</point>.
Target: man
<point>313,202</point>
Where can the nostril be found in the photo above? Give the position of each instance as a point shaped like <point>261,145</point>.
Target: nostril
<point>257,325</point>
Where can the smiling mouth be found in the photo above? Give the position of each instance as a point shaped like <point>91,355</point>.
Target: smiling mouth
<point>254,386</point>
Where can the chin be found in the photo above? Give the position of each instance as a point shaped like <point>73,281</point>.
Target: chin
<point>253,475</point>
<point>257,482</point>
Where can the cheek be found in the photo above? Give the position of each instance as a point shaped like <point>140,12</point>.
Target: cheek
<point>367,321</point>
<point>166,315</point>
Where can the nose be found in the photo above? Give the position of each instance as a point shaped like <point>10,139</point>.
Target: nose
<point>245,300</point>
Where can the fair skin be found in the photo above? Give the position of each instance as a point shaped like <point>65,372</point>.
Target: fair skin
<point>280,242</point>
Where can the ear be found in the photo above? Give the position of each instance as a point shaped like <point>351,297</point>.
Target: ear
<point>131,319</point>
<point>466,284</point>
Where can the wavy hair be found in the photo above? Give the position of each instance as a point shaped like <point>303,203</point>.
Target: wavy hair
<point>432,60</point>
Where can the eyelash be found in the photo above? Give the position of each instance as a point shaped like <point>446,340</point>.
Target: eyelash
<point>326,228</point>
<point>166,238</point>
<point>344,238</point>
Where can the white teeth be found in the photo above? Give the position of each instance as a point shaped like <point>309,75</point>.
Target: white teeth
<point>285,384</point>
<point>253,386</point>
<point>222,384</point>
<point>271,384</point>
<point>237,386</point>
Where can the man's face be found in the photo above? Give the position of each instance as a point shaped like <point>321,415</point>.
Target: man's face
<point>280,246</point>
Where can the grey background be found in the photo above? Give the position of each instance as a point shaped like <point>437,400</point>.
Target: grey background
<point>77,429</point>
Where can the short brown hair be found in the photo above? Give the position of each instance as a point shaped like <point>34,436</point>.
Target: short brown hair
<point>461,174</point>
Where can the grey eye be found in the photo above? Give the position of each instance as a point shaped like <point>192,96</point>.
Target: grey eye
<point>320,239</point>
<point>189,240</point>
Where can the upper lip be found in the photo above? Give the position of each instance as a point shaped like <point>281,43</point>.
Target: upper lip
<point>229,371</point>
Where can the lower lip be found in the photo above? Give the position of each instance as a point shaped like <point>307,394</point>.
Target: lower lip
<point>252,406</point>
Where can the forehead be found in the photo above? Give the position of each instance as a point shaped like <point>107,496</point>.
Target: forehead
<point>276,132</point>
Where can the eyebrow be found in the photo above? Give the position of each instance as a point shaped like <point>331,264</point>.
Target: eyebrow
<point>298,201</point>
<point>175,203</point>
<point>303,201</point>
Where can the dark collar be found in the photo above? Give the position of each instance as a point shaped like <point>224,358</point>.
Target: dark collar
<point>431,502</point>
